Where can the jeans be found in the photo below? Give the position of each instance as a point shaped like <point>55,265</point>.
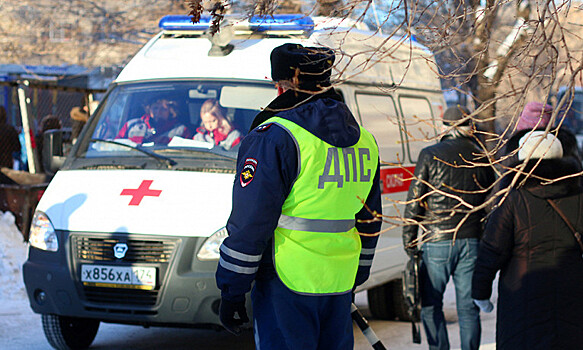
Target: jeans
<point>440,261</point>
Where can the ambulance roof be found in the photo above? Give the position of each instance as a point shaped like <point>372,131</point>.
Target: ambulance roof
<point>181,51</point>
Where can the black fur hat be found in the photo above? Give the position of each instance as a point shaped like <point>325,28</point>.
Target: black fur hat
<point>312,65</point>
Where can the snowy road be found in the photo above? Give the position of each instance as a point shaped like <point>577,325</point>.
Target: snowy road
<point>21,329</point>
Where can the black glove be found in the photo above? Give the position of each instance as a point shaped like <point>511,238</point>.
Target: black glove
<point>362,275</point>
<point>227,312</point>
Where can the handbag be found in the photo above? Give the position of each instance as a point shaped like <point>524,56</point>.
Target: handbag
<point>411,294</point>
<point>562,215</point>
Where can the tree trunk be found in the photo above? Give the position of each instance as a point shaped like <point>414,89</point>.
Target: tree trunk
<point>331,8</point>
<point>289,6</point>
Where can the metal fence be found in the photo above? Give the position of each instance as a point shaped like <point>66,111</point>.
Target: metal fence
<point>47,108</point>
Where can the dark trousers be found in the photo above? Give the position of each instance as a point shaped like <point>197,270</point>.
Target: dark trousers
<point>284,320</point>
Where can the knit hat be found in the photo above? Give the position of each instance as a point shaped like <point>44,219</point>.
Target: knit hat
<point>534,115</point>
<point>312,65</point>
<point>549,147</point>
<point>453,115</point>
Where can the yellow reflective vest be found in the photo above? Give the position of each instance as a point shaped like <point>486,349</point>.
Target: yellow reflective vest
<point>316,244</point>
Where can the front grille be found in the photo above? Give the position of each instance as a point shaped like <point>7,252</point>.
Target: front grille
<point>139,251</point>
<point>121,296</point>
<point>121,311</point>
<point>99,250</point>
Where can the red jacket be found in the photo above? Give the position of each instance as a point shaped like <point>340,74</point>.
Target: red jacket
<point>145,127</point>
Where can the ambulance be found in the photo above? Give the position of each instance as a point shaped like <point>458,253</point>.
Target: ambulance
<point>128,232</point>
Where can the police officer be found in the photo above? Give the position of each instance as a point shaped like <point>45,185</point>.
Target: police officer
<point>303,173</point>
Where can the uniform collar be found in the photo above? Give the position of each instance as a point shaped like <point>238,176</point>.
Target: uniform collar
<point>291,99</point>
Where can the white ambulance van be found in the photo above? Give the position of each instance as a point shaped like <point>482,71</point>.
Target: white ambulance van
<point>128,232</point>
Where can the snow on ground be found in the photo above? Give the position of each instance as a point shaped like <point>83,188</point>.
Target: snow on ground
<point>396,335</point>
<point>12,256</point>
<point>16,317</point>
<point>20,328</point>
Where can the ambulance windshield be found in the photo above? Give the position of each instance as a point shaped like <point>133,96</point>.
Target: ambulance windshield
<point>178,119</point>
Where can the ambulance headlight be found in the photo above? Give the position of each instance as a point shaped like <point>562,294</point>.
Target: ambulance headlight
<point>210,248</point>
<point>42,233</point>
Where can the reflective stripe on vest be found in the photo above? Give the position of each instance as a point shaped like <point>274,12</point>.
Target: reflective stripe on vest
<point>314,225</point>
<point>316,246</point>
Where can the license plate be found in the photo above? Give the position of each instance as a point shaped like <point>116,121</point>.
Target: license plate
<point>119,276</point>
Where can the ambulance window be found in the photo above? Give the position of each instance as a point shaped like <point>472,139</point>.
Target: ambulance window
<point>419,124</point>
<point>244,101</point>
<point>126,123</point>
<point>112,116</point>
<point>247,97</point>
<point>379,116</point>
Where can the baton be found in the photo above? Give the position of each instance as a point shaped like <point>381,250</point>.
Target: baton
<point>369,334</point>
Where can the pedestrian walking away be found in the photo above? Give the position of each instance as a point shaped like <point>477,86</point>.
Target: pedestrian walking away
<point>296,217</point>
<point>529,240</point>
<point>534,117</point>
<point>447,175</point>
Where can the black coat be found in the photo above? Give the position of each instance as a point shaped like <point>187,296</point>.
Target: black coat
<point>448,166</point>
<point>9,145</point>
<point>540,290</point>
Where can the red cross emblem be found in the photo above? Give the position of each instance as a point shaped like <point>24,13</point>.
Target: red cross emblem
<point>139,193</point>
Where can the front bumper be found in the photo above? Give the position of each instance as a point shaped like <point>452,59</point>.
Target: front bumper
<point>185,293</point>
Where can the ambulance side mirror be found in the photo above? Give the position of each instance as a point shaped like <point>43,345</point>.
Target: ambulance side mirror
<point>56,144</point>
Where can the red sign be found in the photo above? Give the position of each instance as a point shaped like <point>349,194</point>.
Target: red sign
<point>396,179</point>
<point>139,193</point>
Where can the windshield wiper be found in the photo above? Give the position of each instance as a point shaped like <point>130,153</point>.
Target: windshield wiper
<point>169,162</point>
<point>215,151</point>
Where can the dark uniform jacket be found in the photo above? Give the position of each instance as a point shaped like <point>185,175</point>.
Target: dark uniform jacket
<point>446,167</point>
<point>540,288</point>
<point>257,201</point>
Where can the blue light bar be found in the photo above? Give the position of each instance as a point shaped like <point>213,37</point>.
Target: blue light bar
<point>183,22</point>
<point>281,22</point>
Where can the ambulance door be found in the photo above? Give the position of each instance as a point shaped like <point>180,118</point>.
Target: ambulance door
<point>419,129</point>
<point>378,114</point>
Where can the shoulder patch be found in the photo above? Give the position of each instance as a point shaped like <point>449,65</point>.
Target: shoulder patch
<point>248,171</point>
<point>263,127</point>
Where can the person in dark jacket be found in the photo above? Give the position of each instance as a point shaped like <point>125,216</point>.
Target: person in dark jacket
<point>539,259</point>
<point>295,223</point>
<point>449,181</point>
<point>534,116</point>
<point>9,142</point>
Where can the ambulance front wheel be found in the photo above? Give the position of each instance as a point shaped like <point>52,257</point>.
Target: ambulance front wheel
<point>69,333</point>
<point>386,302</point>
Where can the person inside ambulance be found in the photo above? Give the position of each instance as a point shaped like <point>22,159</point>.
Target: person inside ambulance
<point>214,126</point>
<point>159,124</point>
<point>298,227</point>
